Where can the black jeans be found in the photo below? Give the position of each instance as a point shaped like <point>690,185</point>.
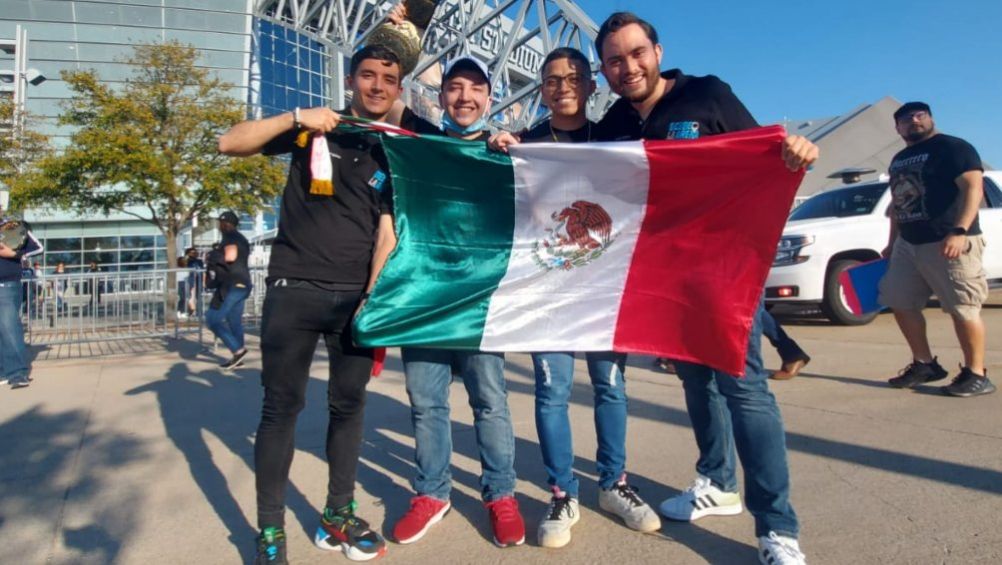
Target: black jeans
<point>296,313</point>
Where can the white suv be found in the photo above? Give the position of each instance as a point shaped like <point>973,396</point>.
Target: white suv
<point>838,228</point>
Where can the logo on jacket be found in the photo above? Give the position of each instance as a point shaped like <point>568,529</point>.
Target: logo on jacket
<point>581,234</point>
<point>683,130</point>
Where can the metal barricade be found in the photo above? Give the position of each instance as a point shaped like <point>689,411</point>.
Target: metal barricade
<point>99,306</point>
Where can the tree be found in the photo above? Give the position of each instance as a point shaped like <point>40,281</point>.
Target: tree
<point>20,145</point>
<point>149,148</point>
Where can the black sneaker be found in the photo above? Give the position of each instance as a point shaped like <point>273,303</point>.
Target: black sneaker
<point>19,382</point>
<point>271,547</point>
<point>236,361</point>
<point>341,530</point>
<point>968,384</point>
<point>918,373</point>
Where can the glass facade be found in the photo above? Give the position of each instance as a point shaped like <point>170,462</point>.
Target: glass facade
<point>295,69</point>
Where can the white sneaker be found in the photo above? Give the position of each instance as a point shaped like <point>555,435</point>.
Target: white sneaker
<point>623,501</point>
<point>780,550</point>
<point>555,528</point>
<point>701,499</point>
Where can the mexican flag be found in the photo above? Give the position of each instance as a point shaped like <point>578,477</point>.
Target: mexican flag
<point>656,247</point>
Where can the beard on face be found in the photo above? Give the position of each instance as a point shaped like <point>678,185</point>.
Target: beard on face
<point>651,81</point>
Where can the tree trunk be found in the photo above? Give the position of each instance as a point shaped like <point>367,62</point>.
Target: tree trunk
<point>170,293</point>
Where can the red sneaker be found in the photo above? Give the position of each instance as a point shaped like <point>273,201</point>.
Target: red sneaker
<point>425,512</point>
<point>506,521</point>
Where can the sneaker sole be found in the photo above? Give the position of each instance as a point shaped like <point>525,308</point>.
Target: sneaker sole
<point>556,541</point>
<point>350,552</point>
<point>434,520</point>
<point>504,545</point>
<point>962,394</point>
<point>729,510</point>
<point>915,384</point>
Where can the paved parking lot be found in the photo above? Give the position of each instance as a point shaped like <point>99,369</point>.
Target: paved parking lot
<point>146,458</point>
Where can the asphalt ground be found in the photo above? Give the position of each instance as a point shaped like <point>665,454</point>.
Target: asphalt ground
<point>146,458</point>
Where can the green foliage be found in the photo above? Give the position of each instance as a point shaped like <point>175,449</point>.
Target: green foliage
<point>152,143</point>
<point>20,146</point>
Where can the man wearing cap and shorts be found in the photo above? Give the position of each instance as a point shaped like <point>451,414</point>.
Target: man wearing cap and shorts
<point>225,315</point>
<point>935,247</point>
<point>465,99</point>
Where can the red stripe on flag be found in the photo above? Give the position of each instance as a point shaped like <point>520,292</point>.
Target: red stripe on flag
<point>715,210</point>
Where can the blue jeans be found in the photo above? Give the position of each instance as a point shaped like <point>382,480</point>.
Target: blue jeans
<point>554,379</point>
<point>227,321</point>
<point>428,374</point>
<point>787,348</point>
<point>729,413</point>
<point>13,352</point>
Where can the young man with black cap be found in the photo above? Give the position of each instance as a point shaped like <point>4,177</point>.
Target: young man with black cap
<point>225,315</point>
<point>465,99</point>
<point>333,239</point>
<point>727,412</point>
<point>935,247</point>
<point>567,84</point>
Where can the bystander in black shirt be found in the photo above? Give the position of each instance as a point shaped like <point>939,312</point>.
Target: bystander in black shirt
<point>238,273</point>
<point>330,239</point>
<point>926,200</point>
<point>693,108</point>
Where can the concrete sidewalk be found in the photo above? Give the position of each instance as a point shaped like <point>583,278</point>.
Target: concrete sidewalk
<point>147,458</point>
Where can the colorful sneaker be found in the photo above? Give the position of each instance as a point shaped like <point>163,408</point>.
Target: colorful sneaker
<point>271,547</point>
<point>555,528</point>
<point>623,501</point>
<point>425,512</point>
<point>965,384</point>
<point>341,530</point>
<point>506,521</point>
<point>701,499</point>
<point>918,373</point>
<point>775,549</point>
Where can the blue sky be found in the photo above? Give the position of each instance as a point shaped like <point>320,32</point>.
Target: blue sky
<point>810,59</point>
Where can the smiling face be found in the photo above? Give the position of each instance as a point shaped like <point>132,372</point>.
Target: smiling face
<point>631,62</point>
<point>375,86</point>
<point>566,87</point>
<point>465,97</point>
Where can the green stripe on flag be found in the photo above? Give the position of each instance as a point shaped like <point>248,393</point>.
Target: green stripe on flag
<point>455,214</point>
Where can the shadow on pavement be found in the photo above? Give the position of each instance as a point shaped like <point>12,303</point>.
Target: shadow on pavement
<point>41,469</point>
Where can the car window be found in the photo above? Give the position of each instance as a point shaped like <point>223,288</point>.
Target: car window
<point>993,196</point>
<point>841,203</point>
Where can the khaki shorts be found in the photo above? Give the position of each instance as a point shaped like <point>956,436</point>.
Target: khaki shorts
<point>916,272</point>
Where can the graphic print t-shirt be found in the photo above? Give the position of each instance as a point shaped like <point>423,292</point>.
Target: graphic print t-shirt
<point>926,201</point>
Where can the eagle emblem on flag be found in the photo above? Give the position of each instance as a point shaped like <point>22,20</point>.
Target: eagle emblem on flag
<point>581,234</point>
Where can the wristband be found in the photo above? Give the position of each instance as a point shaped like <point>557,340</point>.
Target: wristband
<point>296,124</point>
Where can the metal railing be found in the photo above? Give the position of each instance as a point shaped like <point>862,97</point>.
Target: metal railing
<point>93,307</point>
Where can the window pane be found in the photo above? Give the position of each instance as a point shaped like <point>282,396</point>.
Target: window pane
<point>137,255</point>
<point>101,243</point>
<point>103,258</point>
<point>137,242</point>
<point>63,244</point>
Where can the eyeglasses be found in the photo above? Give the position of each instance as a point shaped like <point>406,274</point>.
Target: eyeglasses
<point>553,82</point>
<point>920,114</point>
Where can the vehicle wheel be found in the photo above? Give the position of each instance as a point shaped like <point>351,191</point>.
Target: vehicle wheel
<point>834,305</point>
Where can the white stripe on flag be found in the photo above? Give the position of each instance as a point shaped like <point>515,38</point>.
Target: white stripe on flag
<point>540,309</point>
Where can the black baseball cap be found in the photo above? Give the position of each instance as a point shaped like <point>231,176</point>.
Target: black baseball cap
<point>229,217</point>
<point>909,107</point>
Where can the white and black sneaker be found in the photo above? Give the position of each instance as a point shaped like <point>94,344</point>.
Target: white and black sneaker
<point>623,501</point>
<point>775,549</point>
<point>236,361</point>
<point>555,528</point>
<point>701,499</point>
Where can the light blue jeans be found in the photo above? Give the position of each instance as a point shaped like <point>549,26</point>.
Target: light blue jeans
<point>554,379</point>
<point>731,414</point>
<point>428,374</point>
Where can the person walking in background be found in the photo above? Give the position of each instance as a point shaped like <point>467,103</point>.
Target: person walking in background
<point>225,317</point>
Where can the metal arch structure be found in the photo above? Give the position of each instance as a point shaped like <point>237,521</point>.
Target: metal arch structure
<point>511,36</point>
